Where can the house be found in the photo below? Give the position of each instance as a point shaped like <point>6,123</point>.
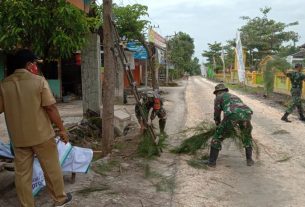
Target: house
<point>298,57</point>
<point>63,76</point>
<point>137,57</point>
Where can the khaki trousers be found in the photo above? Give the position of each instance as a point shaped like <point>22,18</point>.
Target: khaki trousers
<point>47,155</point>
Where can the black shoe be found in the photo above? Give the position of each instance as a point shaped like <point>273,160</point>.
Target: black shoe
<point>285,117</point>
<point>301,113</point>
<point>302,118</point>
<point>250,162</point>
<point>211,162</point>
<point>67,201</point>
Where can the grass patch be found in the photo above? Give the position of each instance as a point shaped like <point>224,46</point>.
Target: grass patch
<point>282,131</point>
<point>104,168</point>
<point>284,159</point>
<point>247,89</point>
<point>202,136</point>
<point>166,185</point>
<point>172,84</point>
<point>194,143</point>
<point>147,148</point>
<point>87,191</point>
<point>148,173</point>
<point>162,183</point>
<point>119,145</point>
<point>196,163</point>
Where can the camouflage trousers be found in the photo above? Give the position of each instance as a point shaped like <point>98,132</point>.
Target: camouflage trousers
<point>230,125</point>
<point>161,113</point>
<point>296,102</point>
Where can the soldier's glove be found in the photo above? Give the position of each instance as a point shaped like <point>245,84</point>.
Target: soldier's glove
<point>63,136</point>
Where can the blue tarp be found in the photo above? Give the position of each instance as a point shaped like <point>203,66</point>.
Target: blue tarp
<point>140,51</point>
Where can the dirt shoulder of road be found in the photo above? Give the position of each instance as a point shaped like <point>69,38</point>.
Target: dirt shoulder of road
<point>124,178</point>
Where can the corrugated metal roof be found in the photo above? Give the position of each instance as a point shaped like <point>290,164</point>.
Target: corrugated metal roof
<point>300,54</point>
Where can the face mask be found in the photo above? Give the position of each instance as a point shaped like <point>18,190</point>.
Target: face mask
<point>33,68</point>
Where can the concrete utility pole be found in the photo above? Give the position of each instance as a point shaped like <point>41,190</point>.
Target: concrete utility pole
<point>90,71</point>
<point>109,81</point>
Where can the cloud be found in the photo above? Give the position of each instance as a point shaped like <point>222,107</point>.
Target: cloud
<point>217,20</point>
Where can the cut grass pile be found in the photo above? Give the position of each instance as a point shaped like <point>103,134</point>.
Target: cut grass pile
<point>201,137</point>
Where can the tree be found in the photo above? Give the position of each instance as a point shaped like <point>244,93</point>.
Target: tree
<point>284,51</point>
<point>273,65</point>
<point>213,55</point>
<point>130,22</point>
<point>52,29</point>
<point>194,67</point>
<point>265,36</point>
<point>180,52</point>
<point>229,50</point>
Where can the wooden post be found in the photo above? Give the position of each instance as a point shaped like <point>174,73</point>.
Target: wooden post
<point>109,79</point>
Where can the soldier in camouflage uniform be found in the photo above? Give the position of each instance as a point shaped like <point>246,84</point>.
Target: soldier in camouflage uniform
<point>236,114</point>
<point>152,100</point>
<point>296,78</point>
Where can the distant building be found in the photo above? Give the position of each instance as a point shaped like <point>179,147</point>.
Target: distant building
<point>298,57</point>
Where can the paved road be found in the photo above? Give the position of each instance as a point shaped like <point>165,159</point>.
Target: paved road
<point>276,180</point>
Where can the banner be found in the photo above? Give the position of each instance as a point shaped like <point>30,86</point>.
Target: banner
<point>140,52</point>
<point>155,38</point>
<point>222,56</point>
<point>240,59</point>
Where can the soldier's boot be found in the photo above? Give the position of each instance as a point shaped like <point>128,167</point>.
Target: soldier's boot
<point>302,117</point>
<point>285,117</point>
<point>250,162</point>
<point>162,123</point>
<point>211,162</point>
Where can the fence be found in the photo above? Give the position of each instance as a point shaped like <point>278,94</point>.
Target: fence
<point>282,84</point>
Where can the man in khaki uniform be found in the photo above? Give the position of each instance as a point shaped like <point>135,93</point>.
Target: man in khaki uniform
<point>29,108</point>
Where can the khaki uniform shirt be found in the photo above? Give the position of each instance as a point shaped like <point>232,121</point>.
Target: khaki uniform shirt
<point>22,97</point>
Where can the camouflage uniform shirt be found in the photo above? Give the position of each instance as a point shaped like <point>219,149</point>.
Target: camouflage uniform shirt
<point>230,105</point>
<point>296,79</point>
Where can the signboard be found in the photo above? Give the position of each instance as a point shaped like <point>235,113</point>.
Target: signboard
<point>140,52</point>
<point>155,38</point>
<point>161,56</point>
<point>240,59</point>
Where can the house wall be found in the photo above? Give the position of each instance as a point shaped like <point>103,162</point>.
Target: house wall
<point>55,87</point>
<point>81,4</point>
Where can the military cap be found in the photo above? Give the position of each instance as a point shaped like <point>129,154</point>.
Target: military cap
<point>220,87</point>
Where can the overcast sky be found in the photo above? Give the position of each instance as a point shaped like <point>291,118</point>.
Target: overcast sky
<point>217,20</point>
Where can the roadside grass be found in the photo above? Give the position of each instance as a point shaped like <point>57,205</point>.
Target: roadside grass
<point>161,182</point>
<point>148,173</point>
<point>166,184</point>
<point>86,191</point>
<point>247,89</point>
<point>148,149</point>
<point>282,131</point>
<point>119,145</point>
<point>284,159</point>
<point>104,168</point>
<point>197,164</point>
